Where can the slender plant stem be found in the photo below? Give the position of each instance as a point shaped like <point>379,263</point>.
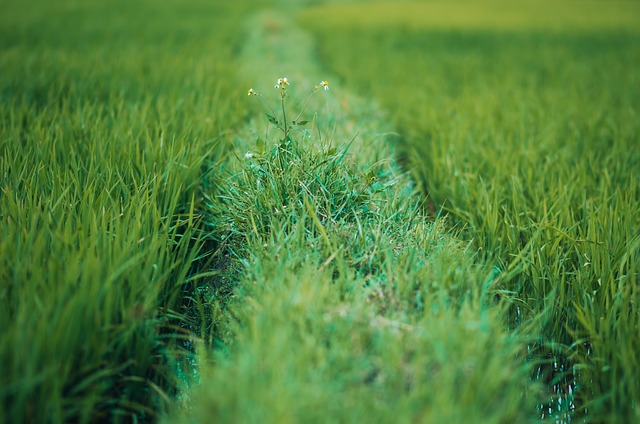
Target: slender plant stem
<point>284,118</point>
<point>305,105</point>
<point>271,108</point>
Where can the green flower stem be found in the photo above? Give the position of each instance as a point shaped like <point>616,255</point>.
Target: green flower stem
<point>271,108</point>
<point>304,107</point>
<point>284,117</point>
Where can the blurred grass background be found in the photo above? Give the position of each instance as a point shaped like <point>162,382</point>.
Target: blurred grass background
<point>493,15</point>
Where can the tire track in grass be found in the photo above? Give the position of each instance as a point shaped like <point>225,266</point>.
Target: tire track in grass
<point>350,305</point>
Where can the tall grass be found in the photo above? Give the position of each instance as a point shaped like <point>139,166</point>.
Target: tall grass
<point>529,139</point>
<point>108,111</point>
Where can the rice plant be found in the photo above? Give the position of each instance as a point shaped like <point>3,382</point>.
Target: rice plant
<point>526,136</point>
<point>104,128</point>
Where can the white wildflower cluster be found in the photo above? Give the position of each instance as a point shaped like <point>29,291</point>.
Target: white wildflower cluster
<point>282,83</point>
<point>280,119</point>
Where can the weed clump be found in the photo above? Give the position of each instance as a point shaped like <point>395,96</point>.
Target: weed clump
<point>296,176</point>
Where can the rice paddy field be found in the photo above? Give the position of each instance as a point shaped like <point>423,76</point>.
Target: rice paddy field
<point>434,215</point>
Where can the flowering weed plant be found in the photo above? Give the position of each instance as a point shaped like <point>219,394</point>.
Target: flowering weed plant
<point>294,178</point>
<point>281,122</point>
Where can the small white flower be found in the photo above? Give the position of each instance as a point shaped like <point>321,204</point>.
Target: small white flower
<point>324,84</point>
<point>282,82</point>
<point>252,91</point>
<point>248,155</point>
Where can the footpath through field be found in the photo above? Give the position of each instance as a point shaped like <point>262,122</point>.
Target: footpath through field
<point>277,48</point>
<point>351,304</point>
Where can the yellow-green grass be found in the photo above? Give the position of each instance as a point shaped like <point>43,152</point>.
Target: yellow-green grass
<point>529,138</point>
<point>108,111</point>
<point>493,15</point>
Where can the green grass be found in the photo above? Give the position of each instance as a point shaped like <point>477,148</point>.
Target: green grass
<point>104,128</point>
<point>350,304</point>
<point>452,237</point>
<point>469,15</point>
<point>529,139</point>
<point>347,306</point>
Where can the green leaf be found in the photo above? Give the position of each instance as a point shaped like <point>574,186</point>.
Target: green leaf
<point>272,119</point>
<point>302,123</point>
